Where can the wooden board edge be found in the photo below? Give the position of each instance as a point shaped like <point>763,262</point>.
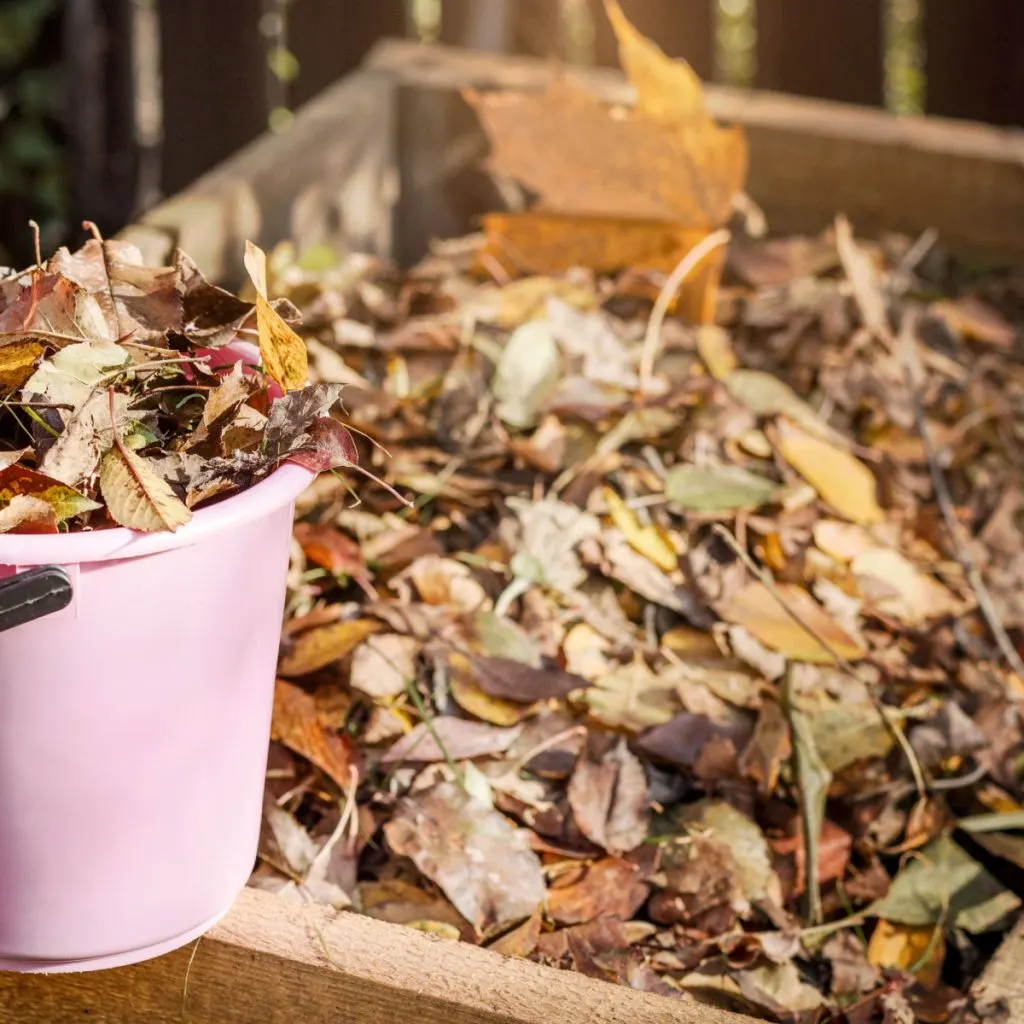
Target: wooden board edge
<point>328,178</point>
<point>448,67</point>
<point>809,159</point>
<point>273,960</point>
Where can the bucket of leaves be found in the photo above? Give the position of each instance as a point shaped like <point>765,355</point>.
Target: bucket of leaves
<point>155,433</point>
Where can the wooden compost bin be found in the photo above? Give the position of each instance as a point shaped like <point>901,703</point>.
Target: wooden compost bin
<point>383,161</point>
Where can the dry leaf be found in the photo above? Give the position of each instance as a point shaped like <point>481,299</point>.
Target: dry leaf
<point>17,364</point>
<point>489,874</point>
<point>609,800</point>
<point>915,597</point>
<point>757,609</point>
<point>447,738</point>
<point>136,497</point>
<point>650,541</point>
<point>318,648</point>
<point>841,479</point>
<point>632,697</point>
<point>297,725</point>
<point>20,481</point>
<point>443,581</point>
<point>905,948</point>
<point>527,375</point>
<point>283,352</point>
<point>717,488</point>
<point>863,278</point>
<point>383,666</point>
<point>609,888</point>
<point>25,514</point>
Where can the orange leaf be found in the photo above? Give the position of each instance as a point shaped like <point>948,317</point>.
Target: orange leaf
<point>546,242</point>
<point>297,725</point>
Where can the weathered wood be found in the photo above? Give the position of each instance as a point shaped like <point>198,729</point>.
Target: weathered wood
<point>974,59</point>
<point>272,961</point>
<point>214,84</point>
<point>330,37</point>
<point>828,49</point>
<point>809,159</point>
<point>328,179</point>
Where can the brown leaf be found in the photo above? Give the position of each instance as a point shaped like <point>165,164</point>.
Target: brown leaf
<point>488,871</point>
<point>609,888</point>
<point>516,681</point>
<point>297,725</point>
<point>609,799</point>
<point>681,740</point>
<point>453,738</point>
<point>632,697</point>
<point>521,941</point>
<point>317,648</point>
<point>756,608</point>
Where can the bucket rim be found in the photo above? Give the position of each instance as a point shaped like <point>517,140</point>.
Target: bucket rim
<point>279,489</point>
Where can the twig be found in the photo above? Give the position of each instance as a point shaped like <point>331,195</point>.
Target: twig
<point>912,374</point>
<point>813,779</point>
<point>894,730</point>
<point>652,338</point>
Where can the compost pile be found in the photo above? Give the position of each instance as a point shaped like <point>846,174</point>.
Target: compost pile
<point>696,665</point>
<point>134,394</point>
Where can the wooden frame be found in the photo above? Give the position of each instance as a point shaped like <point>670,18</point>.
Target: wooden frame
<point>358,168</point>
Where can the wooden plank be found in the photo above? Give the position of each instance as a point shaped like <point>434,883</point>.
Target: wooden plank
<point>828,49</point>
<point>330,38</point>
<point>214,84</point>
<point>272,961</point>
<point>974,59</point>
<point>100,123</point>
<point>682,28</point>
<point>328,179</point>
<point>809,159</point>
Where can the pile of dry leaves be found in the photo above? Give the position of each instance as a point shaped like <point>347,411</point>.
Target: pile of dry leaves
<point>133,394</point>
<point>696,665</point>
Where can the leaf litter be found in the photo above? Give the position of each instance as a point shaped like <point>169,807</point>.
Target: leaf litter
<point>696,664</point>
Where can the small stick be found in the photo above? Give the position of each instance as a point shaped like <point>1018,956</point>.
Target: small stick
<point>652,338</point>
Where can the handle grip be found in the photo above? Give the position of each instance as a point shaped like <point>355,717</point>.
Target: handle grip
<point>30,595</point>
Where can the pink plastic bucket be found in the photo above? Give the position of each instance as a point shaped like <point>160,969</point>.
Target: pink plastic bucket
<point>133,732</point>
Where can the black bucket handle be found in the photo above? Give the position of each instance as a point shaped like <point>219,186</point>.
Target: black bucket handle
<point>30,595</point>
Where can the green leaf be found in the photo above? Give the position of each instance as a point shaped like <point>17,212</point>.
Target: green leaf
<point>943,883</point>
<point>717,488</point>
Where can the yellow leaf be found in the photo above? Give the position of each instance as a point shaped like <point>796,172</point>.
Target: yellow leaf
<point>283,352</point>
<point>649,541</point>
<point>841,479</point>
<point>715,350</point>
<point>481,705</point>
<point>757,609</point>
<point>318,648</point>
<point>17,363</point>
<point>904,948</point>
<point>136,497</point>
<point>514,304</point>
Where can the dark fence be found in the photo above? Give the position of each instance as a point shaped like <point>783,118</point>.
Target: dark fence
<point>228,68</point>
